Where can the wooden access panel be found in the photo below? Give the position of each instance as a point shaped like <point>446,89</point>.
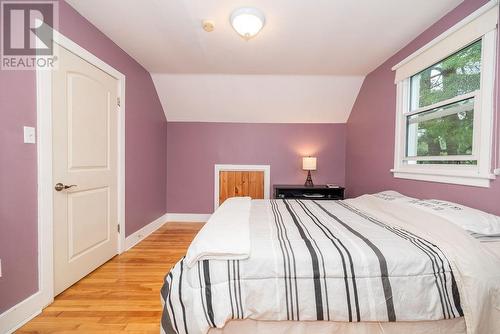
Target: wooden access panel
<point>241,183</point>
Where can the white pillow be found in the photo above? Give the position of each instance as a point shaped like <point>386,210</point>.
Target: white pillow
<point>472,220</point>
<point>393,196</point>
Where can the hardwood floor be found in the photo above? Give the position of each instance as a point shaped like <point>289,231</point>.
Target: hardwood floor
<point>123,295</point>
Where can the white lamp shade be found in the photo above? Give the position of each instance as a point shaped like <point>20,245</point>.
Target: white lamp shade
<point>309,163</point>
<point>247,22</point>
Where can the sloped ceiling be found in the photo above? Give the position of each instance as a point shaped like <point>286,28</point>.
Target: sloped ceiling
<point>257,98</point>
<point>307,63</point>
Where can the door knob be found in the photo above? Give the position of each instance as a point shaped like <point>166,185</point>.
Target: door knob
<point>59,186</point>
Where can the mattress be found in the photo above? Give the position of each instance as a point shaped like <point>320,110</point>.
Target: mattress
<point>335,267</point>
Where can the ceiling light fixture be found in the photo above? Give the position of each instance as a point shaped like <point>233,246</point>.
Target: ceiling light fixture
<point>247,21</point>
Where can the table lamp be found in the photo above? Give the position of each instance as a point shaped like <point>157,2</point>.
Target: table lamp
<point>309,164</point>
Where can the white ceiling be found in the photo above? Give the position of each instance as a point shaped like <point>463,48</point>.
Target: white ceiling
<point>301,37</point>
<point>257,98</point>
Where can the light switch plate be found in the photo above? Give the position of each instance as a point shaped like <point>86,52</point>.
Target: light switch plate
<point>29,135</point>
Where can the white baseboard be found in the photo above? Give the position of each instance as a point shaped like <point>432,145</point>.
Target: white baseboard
<point>141,234</point>
<point>21,313</point>
<point>188,217</point>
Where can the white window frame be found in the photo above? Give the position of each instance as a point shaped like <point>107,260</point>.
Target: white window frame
<point>479,175</point>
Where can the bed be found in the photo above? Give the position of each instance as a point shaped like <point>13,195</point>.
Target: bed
<point>382,263</point>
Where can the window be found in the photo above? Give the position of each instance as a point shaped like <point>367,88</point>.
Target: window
<point>440,120</point>
<point>445,106</point>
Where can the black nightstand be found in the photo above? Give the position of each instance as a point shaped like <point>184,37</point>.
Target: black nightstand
<point>319,192</point>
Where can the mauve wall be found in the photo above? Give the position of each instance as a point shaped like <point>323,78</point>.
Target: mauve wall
<point>194,148</point>
<point>370,133</point>
<point>18,190</point>
<point>146,131</point>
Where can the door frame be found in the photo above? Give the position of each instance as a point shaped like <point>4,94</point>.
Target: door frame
<point>44,159</point>
<point>251,168</point>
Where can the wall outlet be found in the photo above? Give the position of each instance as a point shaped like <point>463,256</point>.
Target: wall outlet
<point>496,171</point>
<point>29,135</point>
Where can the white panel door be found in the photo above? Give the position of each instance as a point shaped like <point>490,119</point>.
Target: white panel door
<point>84,125</point>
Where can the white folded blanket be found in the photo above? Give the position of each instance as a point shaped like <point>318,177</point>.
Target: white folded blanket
<point>226,235</point>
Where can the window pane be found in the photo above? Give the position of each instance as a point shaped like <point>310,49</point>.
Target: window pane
<point>456,75</point>
<point>444,131</point>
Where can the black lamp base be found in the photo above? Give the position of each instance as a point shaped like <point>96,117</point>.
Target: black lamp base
<point>309,180</point>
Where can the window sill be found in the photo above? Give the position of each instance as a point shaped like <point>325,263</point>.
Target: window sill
<point>443,176</point>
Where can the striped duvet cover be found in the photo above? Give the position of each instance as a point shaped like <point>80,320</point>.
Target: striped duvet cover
<point>317,261</point>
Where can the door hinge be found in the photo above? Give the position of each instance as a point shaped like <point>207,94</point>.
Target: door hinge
<point>118,228</point>
<point>118,102</point>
